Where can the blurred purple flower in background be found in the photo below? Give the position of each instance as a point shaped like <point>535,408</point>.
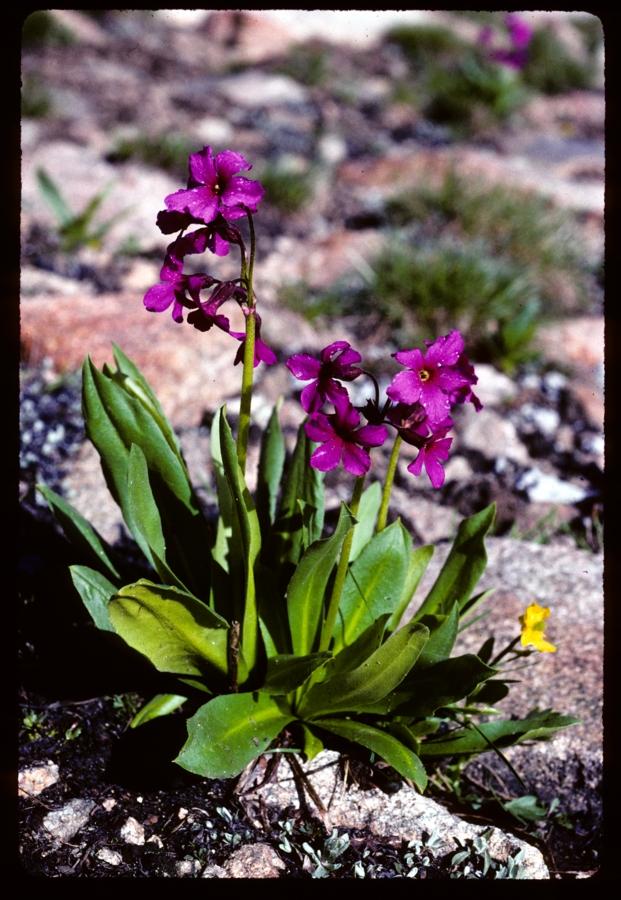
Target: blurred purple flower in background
<point>520,34</point>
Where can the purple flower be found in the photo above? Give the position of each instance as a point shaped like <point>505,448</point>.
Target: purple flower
<point>215,188</point>
<point>174,288</point>
<point>262,353</point>
<point>341,438</point>
<point>206,315</point>
<point>520,35</point>
<point>432,454</point>
<point>431,378</point>
<point>335,361</point>
<point>410,422</point>
<point>214,237</point>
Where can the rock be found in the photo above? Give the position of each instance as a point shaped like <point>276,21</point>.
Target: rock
<point>214,871</point>
<point>490,434</point>
<point>35,282</point>
<point>62,824</point>
<point>542,487</point>
<point>35,779</point>
<point>254,861</point>
<point>83,29</point>
<point>132,832</point>
<point>493,387</point>
<point>109,803</point>
<point>112,857</point>
<point>187,868</point>
<point>213,131</point>
<point>545,420</point>
<point>424,518</point>
<point>155,839</point>
<point>255,89</point>
<point>402,816</point>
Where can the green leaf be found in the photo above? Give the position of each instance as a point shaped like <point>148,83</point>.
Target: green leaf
<point>526,809</point>
<point>305,594</point>
<point>230,731</point>
<point>114,420</point>
<point>463,567</point>
<point>313,745</point>
<point>247,534</point>
<point>144,517</point>
<point>271,463</point>
<point>96,592</point>
<point>417,566</point>
<point>136,384</point>
<point>300,483</point>
<point>374,584</point>
<point>286,672</point>
<point>173,629</point>
<point>442,637</point>
<point>391,750</point>
<point>352,656</point>
<point>78,530</point>
<point>160,705</point>
<point>368,510</point>
<point>370,682</point>
<point>442,683</point>
<point>539,724</point>
<point>53,196</point>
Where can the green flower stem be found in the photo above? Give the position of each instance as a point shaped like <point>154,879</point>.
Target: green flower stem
<point>248,366</point>
<point>341,571</point>
<point>390,477</point>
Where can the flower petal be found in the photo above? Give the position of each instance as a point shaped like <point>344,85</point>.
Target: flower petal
<point>199,202</point>
<point>355,460</point>
<point>327,456</point>
<point>229,163</point>
<point>405,387</point>
<point>413,359</point>
<point>159,297</point>
<point>202,167</point>
<point>310,398</point>
<point>318,428</point>
<point>445,351</point>
<point>371,435</point>
<point>303,366</point>
<point>242,192</point>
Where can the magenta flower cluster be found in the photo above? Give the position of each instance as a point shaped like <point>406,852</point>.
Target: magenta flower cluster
<point>519,34</point>
<point>216,194</point>
<point>420,400</point>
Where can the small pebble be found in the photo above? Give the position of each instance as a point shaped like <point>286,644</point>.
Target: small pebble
<point>132,832</point>
<point>112,857</point>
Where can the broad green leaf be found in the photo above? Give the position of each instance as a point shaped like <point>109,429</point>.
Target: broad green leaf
<point>539,724</point>
<point>144,516</point>
<point>313,745</point>
<point>391,750</point>
<point>286,672</point>
<point>114,420</point>
<point>135,383</point>
<point>226,555</point>
<point>352,656</point>
<point>230,731</point>
<point>374,584</point>
<point>160,705</point>
<point>368,509</point>
<point>463,566</point>
<point>78,530</point>
<point>245,525</point>
<point>271,462</point>
<point>440,684</point>
<point>490,692</point>
<point>370,682</point>
<point>96,592</point>
<point>417,566</point>
<point>53,196</point>
<point>173,629</point>
<point>307,588</point>
<point>442,638</point>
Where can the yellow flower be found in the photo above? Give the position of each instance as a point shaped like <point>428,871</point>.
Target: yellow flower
<point>533,624</point>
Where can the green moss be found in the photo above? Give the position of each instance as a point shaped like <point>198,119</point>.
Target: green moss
<point>286,190</point>
<point>41,29</point>
<point>421,44</point>
<point>523,227</point>
<point>307,63</point>
<point>163,151</point>
<point>36,101</point>
<point>552,69</point>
